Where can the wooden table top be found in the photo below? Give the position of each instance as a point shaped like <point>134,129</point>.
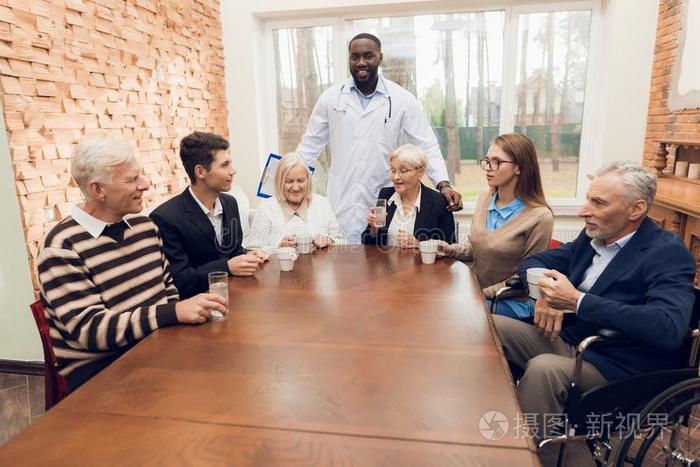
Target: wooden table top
<point>356,357</point>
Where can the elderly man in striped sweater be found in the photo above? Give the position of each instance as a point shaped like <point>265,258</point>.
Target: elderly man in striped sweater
<point>105,281</point>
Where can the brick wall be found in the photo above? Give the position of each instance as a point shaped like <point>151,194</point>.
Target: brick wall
<point>661,122</point>
<point>145,70</point>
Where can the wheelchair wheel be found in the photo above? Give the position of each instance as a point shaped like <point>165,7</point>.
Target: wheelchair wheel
<point>666,431</point>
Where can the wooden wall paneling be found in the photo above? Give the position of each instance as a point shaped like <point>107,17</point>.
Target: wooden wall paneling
<point>692,239</point>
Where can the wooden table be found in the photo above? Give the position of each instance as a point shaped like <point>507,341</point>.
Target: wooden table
<point>357,357</point>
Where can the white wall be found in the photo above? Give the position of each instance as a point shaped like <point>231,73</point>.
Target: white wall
<point>628,55</point>
<point>622,91</point>
<point>19,338</point>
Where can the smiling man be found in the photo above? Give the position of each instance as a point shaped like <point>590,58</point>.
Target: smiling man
<point>622,272</point>
<point>363,120</point>
<point>201,227</point>
<point>105,282</point>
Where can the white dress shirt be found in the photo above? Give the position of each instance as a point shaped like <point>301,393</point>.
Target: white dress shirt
<point>216,217</point>
<point>400,220</point>
<point>93,225</point>
<point>604,254</point>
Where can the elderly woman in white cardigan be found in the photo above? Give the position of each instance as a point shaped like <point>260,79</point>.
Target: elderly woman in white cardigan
<point>294,210</point>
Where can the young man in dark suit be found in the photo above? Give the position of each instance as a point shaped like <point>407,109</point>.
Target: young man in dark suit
<point>622,272</point>
<point>201,227</point>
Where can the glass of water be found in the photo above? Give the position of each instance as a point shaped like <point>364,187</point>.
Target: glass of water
<point>218,285</point>
<point>380,213</point>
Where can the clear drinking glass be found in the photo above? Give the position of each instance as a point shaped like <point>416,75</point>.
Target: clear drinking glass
<point>218,285</point>
<point>380,213</point>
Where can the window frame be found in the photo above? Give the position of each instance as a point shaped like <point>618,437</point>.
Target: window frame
<point>590,153</point>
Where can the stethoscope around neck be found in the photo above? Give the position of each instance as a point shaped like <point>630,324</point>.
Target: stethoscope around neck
<point>340,94</point>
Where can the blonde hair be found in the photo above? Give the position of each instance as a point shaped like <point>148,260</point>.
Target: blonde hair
<point>94,160</point>
<point>288,162</point>
<point>410,154</point>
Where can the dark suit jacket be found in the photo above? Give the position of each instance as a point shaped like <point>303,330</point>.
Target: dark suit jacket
<point>433,221</point>
<point>190,243</point>
<point>646,292</point>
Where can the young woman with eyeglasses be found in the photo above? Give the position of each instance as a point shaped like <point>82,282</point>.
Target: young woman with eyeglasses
<point>414,212</point>
<point>511,220</point>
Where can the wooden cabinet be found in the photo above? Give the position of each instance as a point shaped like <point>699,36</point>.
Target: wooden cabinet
<point>691,237</point>
<point>677,204</point>
<point>667,219</point>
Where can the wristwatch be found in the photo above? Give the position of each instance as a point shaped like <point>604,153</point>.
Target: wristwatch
<point>443,184</point>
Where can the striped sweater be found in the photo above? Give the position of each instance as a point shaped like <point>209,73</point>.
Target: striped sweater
<point>102,296</point>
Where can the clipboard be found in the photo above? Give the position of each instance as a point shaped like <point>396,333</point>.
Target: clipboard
<point>266,187</point>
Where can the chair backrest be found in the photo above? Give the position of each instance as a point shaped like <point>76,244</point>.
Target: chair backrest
<point>244,211</point>
<point>554,244</point>
<point>55,385</point>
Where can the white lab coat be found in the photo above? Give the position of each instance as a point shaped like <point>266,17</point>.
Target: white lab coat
<point>360,143</point>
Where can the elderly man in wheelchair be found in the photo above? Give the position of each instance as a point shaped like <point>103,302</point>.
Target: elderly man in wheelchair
<point>611,329</point>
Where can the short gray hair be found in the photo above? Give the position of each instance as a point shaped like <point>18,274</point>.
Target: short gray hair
<point>410,154</point>
<point>640,184</point>
<point>94,159</point>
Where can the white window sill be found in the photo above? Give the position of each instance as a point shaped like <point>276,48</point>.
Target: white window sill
<point>560,210</point>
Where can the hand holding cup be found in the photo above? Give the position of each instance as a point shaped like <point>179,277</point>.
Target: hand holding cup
<point>289,241</point>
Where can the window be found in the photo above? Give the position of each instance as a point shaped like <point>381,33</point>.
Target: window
<point>476,73</point>
<point>303,70</point>
<point>550,90</point>
<point>452,63</point>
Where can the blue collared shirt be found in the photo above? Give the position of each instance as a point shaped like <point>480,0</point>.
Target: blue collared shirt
<point>496,218</point>
<point>365,100</point>
<point>500,216</point>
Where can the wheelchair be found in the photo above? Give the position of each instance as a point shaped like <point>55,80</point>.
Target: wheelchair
<point>651,414</point>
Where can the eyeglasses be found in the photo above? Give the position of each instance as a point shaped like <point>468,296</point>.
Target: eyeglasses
<point>401,171</point>
<point>493,164</point>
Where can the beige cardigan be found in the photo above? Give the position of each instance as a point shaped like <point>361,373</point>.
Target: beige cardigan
<point>497,254</point>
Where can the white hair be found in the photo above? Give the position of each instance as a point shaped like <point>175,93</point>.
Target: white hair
<point>94,160</point>
<point>288,162</point>
<point>410,154</point>
<point>639,183</point>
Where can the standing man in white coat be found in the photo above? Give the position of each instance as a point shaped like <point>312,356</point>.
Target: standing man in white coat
<point>362,119</point>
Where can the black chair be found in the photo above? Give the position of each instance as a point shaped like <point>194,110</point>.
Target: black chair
<point>641,408</point>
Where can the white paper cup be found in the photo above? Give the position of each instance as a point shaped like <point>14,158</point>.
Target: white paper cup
<point>534,275</point>
<point>286,259</point>
<point>694,170</point>
<point>305,244</point>
<point>287,250</point>
<point>286,264</point>
<point>428,246</point>
<point>681,169</point>
<point>427,258</point>
<point>305,248</point>
<point>428,251</point>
